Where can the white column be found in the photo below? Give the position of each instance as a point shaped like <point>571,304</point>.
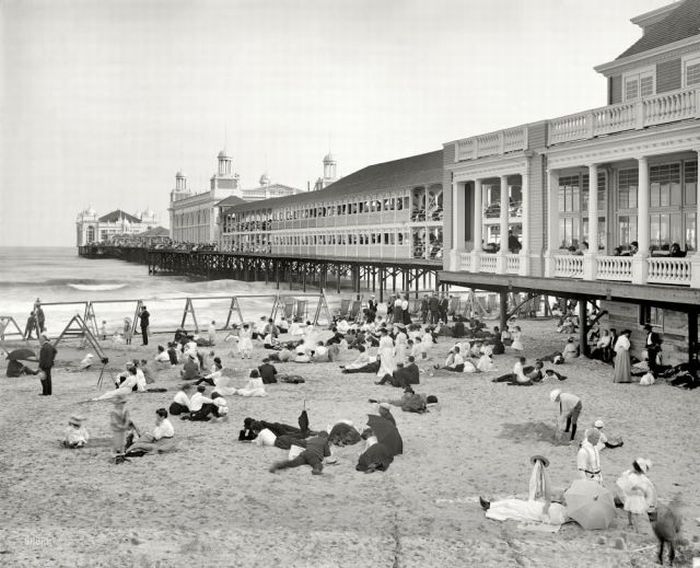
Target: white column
<point>695,257</point>
<point>505,213</point>
<point>552,221</point>
<point>477,222</point>
<point>589,258</point>
<point>525,234</point>
<point>639,262</point>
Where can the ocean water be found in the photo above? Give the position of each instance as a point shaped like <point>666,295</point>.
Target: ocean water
<point>60,275</point>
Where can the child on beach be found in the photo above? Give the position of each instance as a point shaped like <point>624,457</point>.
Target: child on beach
<point>103,330</point>
<point>126,331</point>
<point>245,342</point>
<point>76,435</point>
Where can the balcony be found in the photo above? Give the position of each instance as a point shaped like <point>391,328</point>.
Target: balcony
<point>492,144</point>
<point>635,115</point>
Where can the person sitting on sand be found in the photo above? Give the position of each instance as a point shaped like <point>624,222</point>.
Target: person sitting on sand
<point>216,372</point>
<point>485,363</point>
<point>270,342</point>
<point>588,457</point>
<point>172,354</point>
<point>538,507</point>
<point>190,369</point>
<point>517,377</point>
<point>254,386</point>
<point>162,356</point>
<point>360,361</point>
<point>570,407</point>
<point>571,349</point>
<point>200,406</point>
<point>268,372</point>
<point>181,401</point>
<point>317,449</point>
<point>156,440</point>
<point>604,442</point>
<point>454,361</point>
<point>76,435</point>
<point>301,356</point>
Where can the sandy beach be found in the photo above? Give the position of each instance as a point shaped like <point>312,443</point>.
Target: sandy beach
<point>214,503</point>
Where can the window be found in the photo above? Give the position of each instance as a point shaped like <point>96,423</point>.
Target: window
<point>638,84</point>
<point>627,189</point>
<point>665,186</point>
<point>652,316</point>
<point>691,71</point>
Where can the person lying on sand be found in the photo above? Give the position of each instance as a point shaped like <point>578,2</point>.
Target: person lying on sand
<point>317,449</point>
<point>410,401</point>
<point>539,506</point>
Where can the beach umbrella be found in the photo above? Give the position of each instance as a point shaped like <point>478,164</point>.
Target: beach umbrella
<point>22,355</point>
<point>386,433</point>
<point>590,504</point>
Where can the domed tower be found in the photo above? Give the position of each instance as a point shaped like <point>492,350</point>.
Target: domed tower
<point>224,182</point>
<point>264,180</point>
<point>225,162</point>
<point>181,189</point>
<point>87,226</point>
<point>329,166</point>
<point>148,217</point>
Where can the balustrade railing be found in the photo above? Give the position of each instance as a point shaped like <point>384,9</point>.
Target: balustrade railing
<point>657,109</point>
<point>493,143</point>
<point>488,263</point>
<point>669,270</point>
<point>568,266</point>
<point>614,268</point>
<point>512,263</point>
<point>465,261</point>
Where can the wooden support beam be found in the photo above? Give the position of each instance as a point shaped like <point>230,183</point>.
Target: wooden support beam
<point>693,339</point>
<point>583,326</point>
<point>503,310</point>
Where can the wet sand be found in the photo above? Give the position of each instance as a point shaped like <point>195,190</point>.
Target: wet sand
<point>214,503</point>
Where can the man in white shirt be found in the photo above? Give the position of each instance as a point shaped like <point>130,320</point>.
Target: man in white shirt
<point>181,402</point>
<point>162,433</point>
<point>200,406</point>
<point>211,333</point>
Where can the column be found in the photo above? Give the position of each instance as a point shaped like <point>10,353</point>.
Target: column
<point>640,268</point>
<point>505,213</point>
<point>454,253</point>
<point>525,235</point>
<point>478,225</point>
<point>695,257</point>
<point>590,265</point>
<point>552,221</point>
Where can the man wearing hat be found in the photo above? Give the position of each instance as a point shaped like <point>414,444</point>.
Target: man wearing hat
<point>47,356</point>
<point>385,412</point>
<point>145,320</point>
<point>570,407</point>
<point>588,457</point>
<point>652,344</point>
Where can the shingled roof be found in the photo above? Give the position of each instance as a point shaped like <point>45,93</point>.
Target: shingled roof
<point>681,23</point>
<point>230,201</point>
<point>118,215</point>
<point>155,232</point>
<point>406,172</point>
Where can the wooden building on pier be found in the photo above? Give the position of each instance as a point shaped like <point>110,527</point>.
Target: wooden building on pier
<point>598,205</point>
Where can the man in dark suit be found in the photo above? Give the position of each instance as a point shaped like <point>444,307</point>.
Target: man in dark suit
<point>434,306</point>
<point>444,305</point>
<point>144,316</point>
<point>47,356</point>
<point>653,346</point>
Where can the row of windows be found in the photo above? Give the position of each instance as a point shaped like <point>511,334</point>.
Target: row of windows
<point>672,202</point>
<point>642,83</point>
<point>193,218</point>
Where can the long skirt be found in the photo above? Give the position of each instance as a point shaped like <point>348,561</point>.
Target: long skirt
<point>622,368</point>
<point>525,511</point>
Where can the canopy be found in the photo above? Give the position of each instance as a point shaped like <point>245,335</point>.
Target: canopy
<point>590,504</point>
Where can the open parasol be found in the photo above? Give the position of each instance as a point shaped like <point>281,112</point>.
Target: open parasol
<point>590,504</point>
<point>22,355</point>
<point>386,433</point>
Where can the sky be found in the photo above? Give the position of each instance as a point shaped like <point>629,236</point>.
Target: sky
<point>103,101</point>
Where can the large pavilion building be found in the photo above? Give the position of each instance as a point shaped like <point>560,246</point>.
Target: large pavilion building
<point>194,217</point>
<point>391,210</point>
<point>94,229</point>
<point>592,203</point>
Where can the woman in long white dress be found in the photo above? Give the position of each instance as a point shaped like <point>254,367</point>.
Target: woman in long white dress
<point>387,364</point>
<point>537,508</point>
<point>245,342</point>
<point>517,334</point>
<point>622,346</point>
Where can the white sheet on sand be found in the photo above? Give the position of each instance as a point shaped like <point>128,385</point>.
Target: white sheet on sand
<point>526,512</point>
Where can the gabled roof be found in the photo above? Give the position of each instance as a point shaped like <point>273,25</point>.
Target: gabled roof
<point>412,171</point>
<point>155,232</point>
<point>118,215</point>
<point>681,23</point>
<point>230,201</point>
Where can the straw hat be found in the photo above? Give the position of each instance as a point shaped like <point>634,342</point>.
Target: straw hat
<point>644,464</point>
<point>75,420</point>
<point>554,395</point>
<point>385,405</point>
<point>599,424</point>
<point>538,457</point>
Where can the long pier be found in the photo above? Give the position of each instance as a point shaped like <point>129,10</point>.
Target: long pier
<point>379,275</point>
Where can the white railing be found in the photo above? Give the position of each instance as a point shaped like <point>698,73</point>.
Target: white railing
<point>614,268</point>
<point>512,264</point>
<point>488,263</point>
<point>493,143</point>
<point>657,109</point>
<point>568,266</point>
<point>465,261</point>
<point>669,270</point>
